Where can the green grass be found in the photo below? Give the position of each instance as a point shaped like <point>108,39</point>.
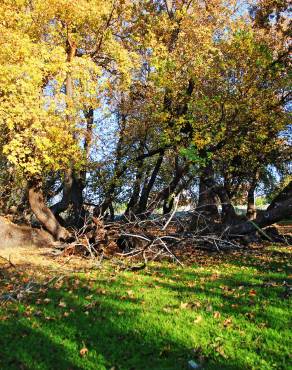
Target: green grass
<point>230,313</point>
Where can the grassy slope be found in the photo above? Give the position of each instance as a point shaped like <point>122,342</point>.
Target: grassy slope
<point>230,313</point>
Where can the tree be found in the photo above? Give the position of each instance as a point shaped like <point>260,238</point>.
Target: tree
<point>49,75</point>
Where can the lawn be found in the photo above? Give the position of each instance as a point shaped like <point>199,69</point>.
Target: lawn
<point>221,311</point>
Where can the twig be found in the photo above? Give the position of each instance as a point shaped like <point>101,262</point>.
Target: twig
<point>8,260</point>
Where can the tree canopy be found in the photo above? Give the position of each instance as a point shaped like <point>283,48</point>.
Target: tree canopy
<point>125,105</point>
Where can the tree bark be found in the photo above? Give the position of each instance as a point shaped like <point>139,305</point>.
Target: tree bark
<point>43,214</point>
<point>251,211</point>
<point>136,189</point>
<point>142,206</point>
<point>207,203</point>
<point>284,194</point>
<point>176,185</point>
<point>228,212</point>
<point>64,203</point>
<point>270,216</point>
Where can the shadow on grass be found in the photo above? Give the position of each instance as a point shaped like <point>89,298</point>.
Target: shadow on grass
<point>45,333</point>
<point>45,339</point>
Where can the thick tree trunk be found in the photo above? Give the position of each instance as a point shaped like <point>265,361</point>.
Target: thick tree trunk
<point>207,203</point>
<point>228,212</point>
<point>12,235</point>
<point>283,195</point>
<point>43,214</point>
<point>79,179</point>
<point>74,183</point>
<point>251,211</point>
<point>63,204</point>
<point>267,218</point>
<point>77,201</point>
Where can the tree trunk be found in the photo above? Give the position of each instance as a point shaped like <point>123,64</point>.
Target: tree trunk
<point>64,203</point>
<point>43,214</point>
<point>251,211</point>
<point>284,194</point>
<point>207,203</point>
<point>176,185</point>
<point>136,189</point>
<point>77,201</point>
<point>270,216</point>
<point>142,206</point>
<point>228,212</point>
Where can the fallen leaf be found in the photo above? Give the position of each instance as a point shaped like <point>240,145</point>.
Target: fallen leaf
<point>183,305</point>
<point>252,292</point>
<point>198,319</point>
<point>83,351</point>
<point>216,314</point>
<point>227,322</point>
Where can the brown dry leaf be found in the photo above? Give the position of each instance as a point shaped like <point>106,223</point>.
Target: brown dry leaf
<point>209,308</point>
<point>198,319</point>
<point>220,350</point>
<point>197,304</point>
<point>184,305</point>
<point>62,304</point>
<point>252,292</point>
<point>47,300</point>
<point>83,352</point>
<point>227,322</point>
<point>250,315</point>
<point>217,314</point>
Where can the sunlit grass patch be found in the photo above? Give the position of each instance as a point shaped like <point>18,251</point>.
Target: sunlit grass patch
<point>229,315</point>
